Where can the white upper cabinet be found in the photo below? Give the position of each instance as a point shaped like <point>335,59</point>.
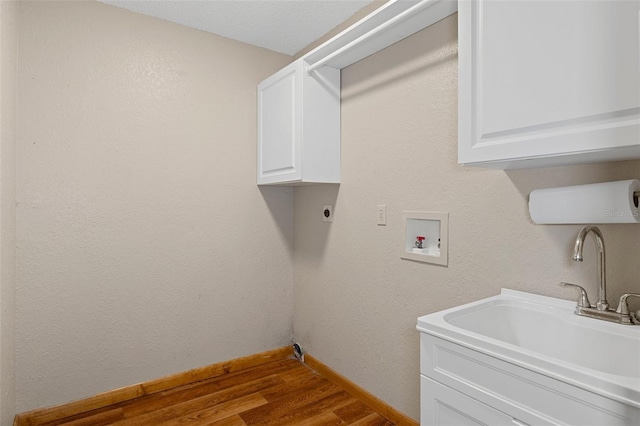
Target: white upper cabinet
<point>299,106</point>
<point>299,126</point>
<point>545,83</point>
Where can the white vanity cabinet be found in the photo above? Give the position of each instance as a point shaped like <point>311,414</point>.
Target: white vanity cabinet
<point>461,386</point>
<point>299,126</point>
<point>545,83</point>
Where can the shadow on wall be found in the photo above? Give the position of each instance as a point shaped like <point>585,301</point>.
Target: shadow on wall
<point>399,66</point>
<point>391,76</point>
<point>526,180</point>
<point>312,240</point>
<point>279,201</point>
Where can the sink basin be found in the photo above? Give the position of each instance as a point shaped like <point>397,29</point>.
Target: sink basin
<point>545,331</point>
<point>544,335</point>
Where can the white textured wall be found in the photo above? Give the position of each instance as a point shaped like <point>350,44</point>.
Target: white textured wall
<point>7,209</point>
<point>144,246</point>
<point>356,301</point>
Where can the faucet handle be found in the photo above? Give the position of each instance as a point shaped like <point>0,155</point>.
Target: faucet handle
<point>623,308</point>
<point>583,300</point>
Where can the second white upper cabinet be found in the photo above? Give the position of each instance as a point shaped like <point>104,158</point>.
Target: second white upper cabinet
<point>299,126</point>
<point>545,83</point>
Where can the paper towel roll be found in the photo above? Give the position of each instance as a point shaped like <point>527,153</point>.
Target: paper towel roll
<point>608,202</point>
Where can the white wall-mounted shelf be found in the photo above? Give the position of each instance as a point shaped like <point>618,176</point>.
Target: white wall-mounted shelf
<point>385,26</point>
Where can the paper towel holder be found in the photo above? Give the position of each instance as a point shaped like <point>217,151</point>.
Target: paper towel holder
<point>605,202</point>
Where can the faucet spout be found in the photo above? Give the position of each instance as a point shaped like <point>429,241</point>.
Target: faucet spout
<point>601,304</point>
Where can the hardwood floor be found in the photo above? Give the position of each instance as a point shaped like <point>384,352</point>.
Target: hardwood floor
<point>284,392</point>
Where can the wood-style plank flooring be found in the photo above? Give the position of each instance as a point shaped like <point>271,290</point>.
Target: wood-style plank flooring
<point>284,392</point>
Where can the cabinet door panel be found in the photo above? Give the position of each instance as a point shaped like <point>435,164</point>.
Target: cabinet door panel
<point>562,60</point>
<point>443,406</point>
<point>548,78</point>
<point>278,127</point>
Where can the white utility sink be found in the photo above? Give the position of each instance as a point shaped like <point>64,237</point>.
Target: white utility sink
<point>544,335</point>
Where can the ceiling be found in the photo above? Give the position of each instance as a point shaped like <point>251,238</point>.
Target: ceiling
<point>285,26</point>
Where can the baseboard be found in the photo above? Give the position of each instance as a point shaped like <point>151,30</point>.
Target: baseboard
<point>44,415</point>
<point>372,401</point>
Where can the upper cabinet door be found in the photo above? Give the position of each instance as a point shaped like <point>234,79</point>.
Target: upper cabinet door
<point>546,83</point>
<point>279,127</point>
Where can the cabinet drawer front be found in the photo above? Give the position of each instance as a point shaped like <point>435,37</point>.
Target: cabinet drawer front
<point>442,406</point>
<point>527,395</point>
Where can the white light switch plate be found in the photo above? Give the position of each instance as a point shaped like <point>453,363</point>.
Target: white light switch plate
<point>382,215</point>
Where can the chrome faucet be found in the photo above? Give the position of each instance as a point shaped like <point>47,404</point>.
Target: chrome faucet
<point>601,303</point>
<point>623,308</point>
<point>620,315</point>
<point>601,309</point>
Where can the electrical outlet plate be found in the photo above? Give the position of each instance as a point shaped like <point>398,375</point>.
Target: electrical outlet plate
<point>327,213</point>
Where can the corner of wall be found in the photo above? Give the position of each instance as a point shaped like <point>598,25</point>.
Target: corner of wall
<point>8,59</point>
